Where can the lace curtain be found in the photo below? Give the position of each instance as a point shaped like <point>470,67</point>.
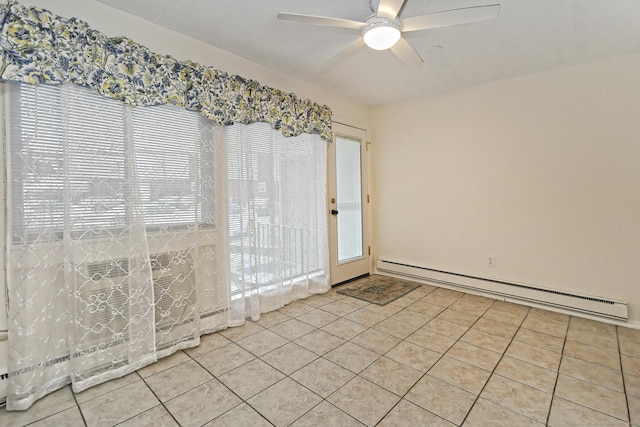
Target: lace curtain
<point>134,230</point>
<point>277,219</point>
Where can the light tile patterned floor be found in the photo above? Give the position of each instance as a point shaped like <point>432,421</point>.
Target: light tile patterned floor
<point>434,357</point>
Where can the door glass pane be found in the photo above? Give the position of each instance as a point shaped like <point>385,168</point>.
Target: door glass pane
<point>349,195</point>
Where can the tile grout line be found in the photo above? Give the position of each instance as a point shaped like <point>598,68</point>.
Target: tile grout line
<point>159,400</point>
<point>75,399</point>
<point>187,391</point>
<point>285,375</point>
<point>444,354</point>
<point>496,365</point>
<point>357,374</point>
<point>555,384</point>
<point>323,399</point>
<point>439,358</point>
<point>589,382</point>
<point>427,371</point>
<point>624,382</point>
<point>224,385</point>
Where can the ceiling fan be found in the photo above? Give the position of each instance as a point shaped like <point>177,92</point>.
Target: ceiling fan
<point>383,30</point>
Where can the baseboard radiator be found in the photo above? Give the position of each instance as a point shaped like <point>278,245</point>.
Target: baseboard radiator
<point>583,303</point>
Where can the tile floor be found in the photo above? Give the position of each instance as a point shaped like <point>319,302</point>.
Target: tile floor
<point>434,357</point>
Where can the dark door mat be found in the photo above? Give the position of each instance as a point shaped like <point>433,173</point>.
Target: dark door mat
<point>379,290</point>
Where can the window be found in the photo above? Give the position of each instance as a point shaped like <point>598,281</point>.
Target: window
<point>174,151</point>
<point>71,144</point>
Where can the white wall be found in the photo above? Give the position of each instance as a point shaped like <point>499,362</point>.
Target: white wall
<point>113,22</point>
<point>543,172</point>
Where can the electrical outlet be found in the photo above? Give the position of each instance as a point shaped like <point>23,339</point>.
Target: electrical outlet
<point>491,261</point>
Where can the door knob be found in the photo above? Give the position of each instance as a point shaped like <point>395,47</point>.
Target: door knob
<point>334,212</point>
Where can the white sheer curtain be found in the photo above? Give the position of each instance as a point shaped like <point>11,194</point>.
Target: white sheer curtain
<point>277,218</point>
<point>133,231</point>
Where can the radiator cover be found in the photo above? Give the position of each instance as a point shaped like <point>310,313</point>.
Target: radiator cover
<point>583,303</point>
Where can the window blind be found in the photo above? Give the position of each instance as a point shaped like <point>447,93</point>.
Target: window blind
<point>68,143</point>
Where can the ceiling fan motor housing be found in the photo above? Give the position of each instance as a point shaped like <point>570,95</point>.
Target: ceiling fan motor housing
<point>381,33</point>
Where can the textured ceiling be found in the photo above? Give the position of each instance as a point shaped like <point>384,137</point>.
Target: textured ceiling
<point>528,37</point>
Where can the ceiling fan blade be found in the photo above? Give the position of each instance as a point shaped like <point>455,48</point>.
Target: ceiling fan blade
<point>389,8</point>
<point>321,20</point>
<point>342,54</point>
<point>448,18</point>
<point>407,53</point>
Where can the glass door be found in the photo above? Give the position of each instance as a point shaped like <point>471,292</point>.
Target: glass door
<point>349,204</point>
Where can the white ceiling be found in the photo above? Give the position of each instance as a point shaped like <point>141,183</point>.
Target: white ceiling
<point>528,37</point>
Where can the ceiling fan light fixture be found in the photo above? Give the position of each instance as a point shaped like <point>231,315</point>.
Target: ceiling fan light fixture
<point>381,35</point>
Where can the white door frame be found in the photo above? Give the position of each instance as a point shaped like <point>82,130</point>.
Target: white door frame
<point>349,269</point>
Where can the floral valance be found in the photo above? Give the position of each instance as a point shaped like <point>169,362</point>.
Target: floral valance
<point>39,47</point>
